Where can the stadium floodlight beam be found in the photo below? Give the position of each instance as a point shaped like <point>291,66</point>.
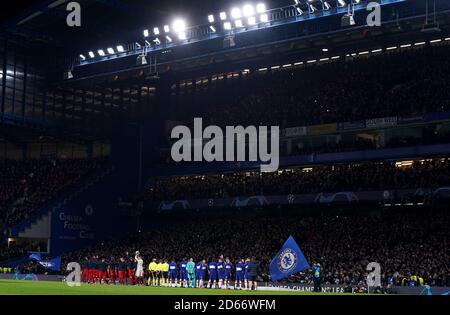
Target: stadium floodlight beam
<point>101,52</point>
<point>260,8</point>
<point>179,26</point>
<point>341,3</point>
<point>236,13</point>
<point>146,33</point>
<point>238,23</point>
<point>156,31</point>
<point>211,18</point>
<point>120,49</point>
<point>91,54</point>
<point>312,8</point>
<point>110,51</point>
<point>223,16</point>
<point>264,18</point>
<point>227,26</point>
<point>251,20</point>
<point>248,10</point>
<point>167,28</point>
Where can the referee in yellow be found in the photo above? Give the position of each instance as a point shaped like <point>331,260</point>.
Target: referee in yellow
<point>152,279</point>
<point>159,271</point>
<point>165,272</point>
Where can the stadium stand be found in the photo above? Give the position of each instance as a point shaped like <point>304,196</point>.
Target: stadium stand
<point>378,86</point>
<point>331,179</point>
<point>27,185</point>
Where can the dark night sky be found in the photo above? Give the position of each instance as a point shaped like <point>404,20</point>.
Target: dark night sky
<point>190,8</point>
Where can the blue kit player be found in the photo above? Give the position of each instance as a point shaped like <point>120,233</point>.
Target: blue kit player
<point>183,277</point>
<point>173,273</point>
<point>212,274</point>
<point>198,267</point>
<point>228,269</point>
<point>247,261</point>
<point>220,271</point>
<point>240,269</point>
<point>202,274</point>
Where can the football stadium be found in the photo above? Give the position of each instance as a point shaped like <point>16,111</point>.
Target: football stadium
<point>236,148</point>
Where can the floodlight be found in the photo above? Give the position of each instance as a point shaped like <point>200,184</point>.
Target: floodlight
<point>91,54</point>
<point>156,31</point>
<point>82,57</point>
<point>236,13</point>
<point>251,20</point>
<point>248,10</point>
<point>101,52</point>
<point>182,35</point>
<point>326,6</point>
<point>110,51</point>
<point>211,18</point>
<point>120,49</point>
<point>260,8</point>
<point>238,23</point>
<point>264,18</point>
<point>341,3</point>
<point>169,39</point>
<point>166,28</point>
<point>212,28</point>
<point>227,26</point>
<point>146,33</point>
<point>179,26</point>
<point>157,41</point>
<point>223,16</point>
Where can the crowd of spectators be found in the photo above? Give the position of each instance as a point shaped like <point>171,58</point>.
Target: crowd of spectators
<point>369,176</point>
<point>413,241</point>
<point>406,83</point>
<point>27,185</point>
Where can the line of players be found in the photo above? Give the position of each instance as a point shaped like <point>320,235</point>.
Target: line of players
<point>162,273</point>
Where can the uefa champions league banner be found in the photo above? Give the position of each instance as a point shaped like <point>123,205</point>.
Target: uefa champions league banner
<point>322,198</point>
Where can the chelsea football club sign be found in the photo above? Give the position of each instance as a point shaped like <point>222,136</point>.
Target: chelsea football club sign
<point>288,261</point>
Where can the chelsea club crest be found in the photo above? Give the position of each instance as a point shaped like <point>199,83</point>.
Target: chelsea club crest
<point>287,260</point>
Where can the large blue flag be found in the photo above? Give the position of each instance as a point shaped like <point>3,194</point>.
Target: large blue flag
<point>48,263</point>
<point>289,260</point>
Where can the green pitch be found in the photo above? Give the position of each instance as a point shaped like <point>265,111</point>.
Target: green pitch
<point>58,288</point>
